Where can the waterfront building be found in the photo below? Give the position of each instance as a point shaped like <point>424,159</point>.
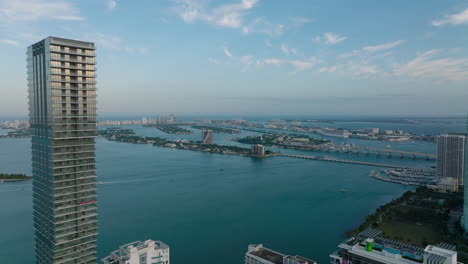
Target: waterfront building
<point>62,110</point>
<point>138,252</point>
<point>258,254</point>
<point>370,247</point>
<point>445,184</point>
<point>258,150</point>
<point>451,156</point>
<point>207,136</point>
<point>144,121</point>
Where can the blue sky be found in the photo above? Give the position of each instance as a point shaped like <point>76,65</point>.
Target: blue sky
<point>253,56</point>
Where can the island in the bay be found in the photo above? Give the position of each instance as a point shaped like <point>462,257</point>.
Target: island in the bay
<point>285,141</point>
<point>171,129</point>
<point>128,136</point>
<point>14,177</point>
<point>217,130</point>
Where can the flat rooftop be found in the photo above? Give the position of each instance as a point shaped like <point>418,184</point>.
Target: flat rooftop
<point>302,260</point>
<point>269,255</point>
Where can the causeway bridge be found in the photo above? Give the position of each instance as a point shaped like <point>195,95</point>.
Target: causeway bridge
<point>379,151</point>
<point>340,160</point>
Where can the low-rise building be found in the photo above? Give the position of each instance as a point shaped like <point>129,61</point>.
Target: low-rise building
<point>370,247</point>
<point>258,254</point>
<point>138,252</point>
<point>446,184</point>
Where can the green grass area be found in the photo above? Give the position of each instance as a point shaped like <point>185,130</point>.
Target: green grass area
<point>411,232</point>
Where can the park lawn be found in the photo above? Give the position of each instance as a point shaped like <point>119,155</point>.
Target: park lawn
<point>410,232</point>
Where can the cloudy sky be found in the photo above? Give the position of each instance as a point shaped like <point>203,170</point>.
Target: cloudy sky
<point>255,57</point>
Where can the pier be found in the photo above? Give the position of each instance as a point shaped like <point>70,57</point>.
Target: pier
<point>340,160</point>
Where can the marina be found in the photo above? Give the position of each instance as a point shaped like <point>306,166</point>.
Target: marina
<point>406,176</point>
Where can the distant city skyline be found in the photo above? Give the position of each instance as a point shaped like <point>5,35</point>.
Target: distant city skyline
<point>253,56</point>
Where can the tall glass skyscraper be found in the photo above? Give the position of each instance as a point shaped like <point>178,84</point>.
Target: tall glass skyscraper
<point>62,107</point>
<point>465,194</point>
<point>451,156</point>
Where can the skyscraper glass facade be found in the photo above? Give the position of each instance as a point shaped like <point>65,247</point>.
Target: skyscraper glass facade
<point>62,107</point>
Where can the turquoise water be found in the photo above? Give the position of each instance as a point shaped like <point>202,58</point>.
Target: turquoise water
<point>207,207</point>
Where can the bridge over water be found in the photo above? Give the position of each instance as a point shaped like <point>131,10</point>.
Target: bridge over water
<point>379,151</point>
<point>340,160</point>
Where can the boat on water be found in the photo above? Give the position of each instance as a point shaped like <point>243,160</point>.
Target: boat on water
<point>343,190</point>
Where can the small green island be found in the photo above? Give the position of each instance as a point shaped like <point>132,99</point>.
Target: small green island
<point>171,129</point>
<point>128,136</point>
<point>285,141</point>
<point>14,177</point>
<point>18,133</point>
<point>217,130</point>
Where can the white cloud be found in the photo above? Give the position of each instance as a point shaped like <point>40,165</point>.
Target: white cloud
<point>9,42</point>
<point>247,59</point>
<point>371,49</point>
<point>228,53</point>
<point>286,50</point>
<point>381,47</point>
<point>33,10</point>
<point>302,65</point>
<point>213,61</point>
<point>276,62</point>
<point>112,42</point>
<point>329,38</point>
<point>268,43</point>
<point>454,19</point>
<point>299,21</point>
<point>228,15</point>
<point>426,65</point>
<point>111,4</point>
<point>328,69</point>
<point>140,50</point>
<point>261,25</point>
<point>332,39</point>
<point>298,65</point>
<point>364,70</point>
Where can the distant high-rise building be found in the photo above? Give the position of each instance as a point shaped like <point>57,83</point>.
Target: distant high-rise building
<point>465,194</point>
<point>62,109</point>
<point>451,156</point>
<point>144,121</point>
<point>138,252</point>
<point>207,136</point>
<point>258,150</point>
<point>258,254</point>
